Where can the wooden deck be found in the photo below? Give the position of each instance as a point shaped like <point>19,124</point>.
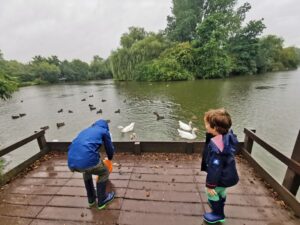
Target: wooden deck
<point>150,188</point>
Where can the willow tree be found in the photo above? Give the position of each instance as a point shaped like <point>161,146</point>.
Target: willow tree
<point>135,49</point>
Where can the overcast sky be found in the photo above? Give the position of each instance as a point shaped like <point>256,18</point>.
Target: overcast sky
<point>84,28</point>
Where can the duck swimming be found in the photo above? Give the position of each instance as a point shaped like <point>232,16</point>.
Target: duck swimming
<point>127,128</point>
<point>60,124</point>
<point>184,126</point>
<point>158,117</point>
<point>188,135</point>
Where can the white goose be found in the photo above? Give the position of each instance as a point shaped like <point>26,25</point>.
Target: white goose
<point>127,128</point>
<point>185,126</point>
<point>188,135</point>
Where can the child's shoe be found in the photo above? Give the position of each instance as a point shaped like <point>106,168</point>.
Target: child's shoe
<point>217,214</point>
<point>91,204</point>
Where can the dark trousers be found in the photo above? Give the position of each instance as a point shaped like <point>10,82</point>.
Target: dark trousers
<point>100,170</point>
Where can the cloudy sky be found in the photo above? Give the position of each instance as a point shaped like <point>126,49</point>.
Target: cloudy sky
<point>84,28</point>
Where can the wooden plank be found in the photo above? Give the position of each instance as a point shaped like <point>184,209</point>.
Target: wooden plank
<point>15,171</point>
<point>282,191</point>
<point>292,164</point>
<point>292,180</point>
<point>21,143</point>
<point>248,142</point>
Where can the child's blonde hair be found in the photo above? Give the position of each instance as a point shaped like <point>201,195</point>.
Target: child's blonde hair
<point>218,119</point>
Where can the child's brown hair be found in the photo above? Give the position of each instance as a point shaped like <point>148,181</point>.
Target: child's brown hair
<point>218,119</point>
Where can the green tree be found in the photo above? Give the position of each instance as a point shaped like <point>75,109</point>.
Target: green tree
<point>175,63</point>
<point>211,46</point>
<point>182,24</point>
<point>135,34</point>
<point>124,60</point>
<point>244,48</point>
<point>46,72</point>
<point>53,60</point>
<point>7,84</point>
<point>99,68</point>
<point>269,54</point>
<point>289,58</point>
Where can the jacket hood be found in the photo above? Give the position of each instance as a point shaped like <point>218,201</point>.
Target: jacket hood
<point>101,123</point>
<point>229,142</point>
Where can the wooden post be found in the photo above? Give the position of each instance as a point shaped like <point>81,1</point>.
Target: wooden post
<point>189,149</point>
<point>248,142</point>
<point>42,143</point>
<point>137,148</point>
<point>292,180</point>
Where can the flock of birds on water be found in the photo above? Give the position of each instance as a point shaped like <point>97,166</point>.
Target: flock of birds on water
<point>185,130</point>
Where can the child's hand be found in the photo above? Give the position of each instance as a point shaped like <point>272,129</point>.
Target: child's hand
<point>211,192</point>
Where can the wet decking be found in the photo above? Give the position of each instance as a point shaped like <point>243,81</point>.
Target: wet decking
<point>150,189</point>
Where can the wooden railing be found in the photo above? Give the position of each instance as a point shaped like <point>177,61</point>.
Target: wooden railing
<point>289,188</point>
<point>40,137</point>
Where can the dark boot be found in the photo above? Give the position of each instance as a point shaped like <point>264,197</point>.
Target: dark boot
<point>217,214</point>
<point>103,197</point>
<point>90,190</point>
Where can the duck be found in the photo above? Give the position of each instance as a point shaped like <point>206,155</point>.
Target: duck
<point>70,111</point>
<point>99,111</point>
<point>103,100</point>
<point>15,117</point>
<point>118,111</point>
<point>44,128</point>
<point>133,137</point>
<point>158,117</point>
<point>92,108</point>
<point>91,105</point>
<point>127,128</point>
<point>59,111</point>
<point>188,135</point>
<point>60,124</point>
<point>83,100</point>
<point>184,126</point>
<point>22,114</point>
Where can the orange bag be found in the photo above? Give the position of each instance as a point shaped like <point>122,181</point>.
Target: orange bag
<point>108,164</point>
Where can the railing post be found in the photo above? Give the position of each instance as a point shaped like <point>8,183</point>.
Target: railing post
<point>137,148</point>
<point>42,143</point>
<point>248,142</point>
<point>189,149</point>
<point>291,180</point>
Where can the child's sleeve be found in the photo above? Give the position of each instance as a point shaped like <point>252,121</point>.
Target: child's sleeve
<point>109,148</point>
<point>214,171</point>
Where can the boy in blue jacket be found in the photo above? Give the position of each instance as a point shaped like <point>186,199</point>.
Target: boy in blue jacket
<point>218,161</point>
<point>84,157</point>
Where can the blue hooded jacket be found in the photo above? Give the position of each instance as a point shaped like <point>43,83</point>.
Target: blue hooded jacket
<point>221,166</point>
<point>83,152</point>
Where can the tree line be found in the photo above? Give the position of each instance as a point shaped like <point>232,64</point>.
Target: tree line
<point>203,40</point>
<point>45,70</point>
